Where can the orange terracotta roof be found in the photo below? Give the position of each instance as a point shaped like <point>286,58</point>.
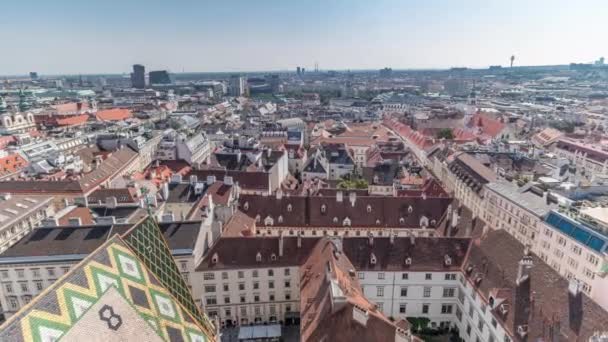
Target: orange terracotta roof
<point>86,218</point>
<point>12,163</point>
<point>73,120</point>
<point>115,114</point>
<point>488,125</point>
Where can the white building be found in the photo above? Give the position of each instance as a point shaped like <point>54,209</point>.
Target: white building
<point>248,280</point>
<point>588,160</point>
<point>238,86</point>
<point>20,214</point>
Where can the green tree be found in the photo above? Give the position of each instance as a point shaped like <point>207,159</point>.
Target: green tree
<point>445,133</point>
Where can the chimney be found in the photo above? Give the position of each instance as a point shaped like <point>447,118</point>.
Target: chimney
<point>228,180</point>
<point>575,306</point>
<point>280,244</point>
<point>371,239</point>
<point>165,191</point>
<point>279,194</point>
<point>299,239</point>
<point>238,156</point>
<point>339,196</point>
<point>522,303</point>
<point>353,198</point>
<point>193,179</point>
<point>523,270</point>
<point>210,180</point>
<point>392,237</point>
<point>455,218</point>
<point>412,239</point>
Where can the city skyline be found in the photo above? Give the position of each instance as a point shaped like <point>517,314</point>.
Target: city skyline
<point>72,37</point>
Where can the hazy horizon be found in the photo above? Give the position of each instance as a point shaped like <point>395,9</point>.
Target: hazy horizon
<point>69,37</point>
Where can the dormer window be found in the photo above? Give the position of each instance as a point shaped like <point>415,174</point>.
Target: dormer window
<point>280,219</point>
<point>401,220</point>
<point>258,257</point>
<point>214,258</point>
<point>424,222</point>
<point>408,261</point>
<point>273,257</point>
<point>372,259</point>
<point>258,219</point>
<point>246,206</point>
<point>289,208</point>
<point>335,219</point>
<point>346,222</point>
<point>323,208</point>
<point>433,223</point>
<point>377,222</point>
<point>410,209</point>
<point>369,208</point>
<point>268,221</point>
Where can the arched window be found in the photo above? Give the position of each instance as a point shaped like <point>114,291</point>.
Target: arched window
<point>323,208</point>
<point>258,257</point>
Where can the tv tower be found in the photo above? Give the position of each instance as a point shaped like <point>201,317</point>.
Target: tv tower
<point>512,60</point>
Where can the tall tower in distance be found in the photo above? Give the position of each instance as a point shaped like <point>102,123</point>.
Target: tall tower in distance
<point>138,76</point>
<point>512,60</point>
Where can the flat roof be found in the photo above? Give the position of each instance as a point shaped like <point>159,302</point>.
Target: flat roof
<point>524,199</point>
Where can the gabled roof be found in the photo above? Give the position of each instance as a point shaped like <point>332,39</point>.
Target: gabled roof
<point>332,304</point>
<point>362,211</point>
<point>545,295</point>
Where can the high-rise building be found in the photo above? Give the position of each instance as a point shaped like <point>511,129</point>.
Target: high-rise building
<point>386,72</point>
<point>33,75</point>
<point>159,77</point>
<point>274,82</point>
<point>138,76</point>
<point>298,71</point>
<point>237,85</point>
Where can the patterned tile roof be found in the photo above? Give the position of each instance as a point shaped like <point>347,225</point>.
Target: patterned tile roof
<point>98,282</point>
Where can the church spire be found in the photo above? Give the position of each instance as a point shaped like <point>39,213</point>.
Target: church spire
<point>24,105</point>
<point>2,105</point>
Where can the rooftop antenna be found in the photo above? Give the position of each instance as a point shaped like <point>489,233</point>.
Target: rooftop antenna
<point>512,60</point>
<point>316,67</point>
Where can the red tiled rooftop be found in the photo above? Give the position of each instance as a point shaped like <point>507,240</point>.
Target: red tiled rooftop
<point>115,114</point>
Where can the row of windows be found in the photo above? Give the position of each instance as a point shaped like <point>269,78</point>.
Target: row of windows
<point>241,274</point>
<point>405,276</point>
<point>35,272</point>
<point>257,311</point>
<point>210,288</point>
<point>445,308</point>
<point>448,292</point>
<point>212,300</point>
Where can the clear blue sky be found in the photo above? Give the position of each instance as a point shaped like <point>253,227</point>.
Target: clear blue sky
<point>91,36</point>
